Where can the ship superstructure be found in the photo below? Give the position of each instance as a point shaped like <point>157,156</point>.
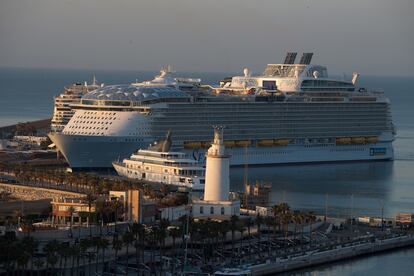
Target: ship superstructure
<point>292,113</point>
<point>63,111</point>
<point>160,164</point>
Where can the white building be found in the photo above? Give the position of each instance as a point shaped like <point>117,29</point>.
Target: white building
<point>216,202</point>
<point>174,213</point>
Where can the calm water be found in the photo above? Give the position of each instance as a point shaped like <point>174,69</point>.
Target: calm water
<point>360,188</point>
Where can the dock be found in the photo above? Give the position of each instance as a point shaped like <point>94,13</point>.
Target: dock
<point>338,253</point>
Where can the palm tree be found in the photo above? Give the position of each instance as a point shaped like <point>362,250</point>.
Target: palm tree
<point>90,198</point>
<point>136,231</point>
<point>296,220</point>
<point>84,245</point>
<point>38,263</point>
<point>115,206</point>
<point>224,229</point>
<point>241,229</point>
<point>233,228</point>
<point>116,245</point>
<point>259,221</point>
<point>161,236</point>
<point>51,249</point>
<point>269,221</point>
<point>29,245</point>
<point>104,244</point>
<point>285,219</point>
<point>311,219</point>
<point>174,233</point>
<point>96,242</point>
<point>64,253</point>
<point>248,222</point>
<point>71,211</point>
<point>127,239</point>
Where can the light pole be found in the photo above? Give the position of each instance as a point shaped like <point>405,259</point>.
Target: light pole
<point>382,203</point>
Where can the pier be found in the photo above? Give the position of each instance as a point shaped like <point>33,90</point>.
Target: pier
<point>340,252</point>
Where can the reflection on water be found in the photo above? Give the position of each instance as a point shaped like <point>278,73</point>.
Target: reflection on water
<point>360,187</point>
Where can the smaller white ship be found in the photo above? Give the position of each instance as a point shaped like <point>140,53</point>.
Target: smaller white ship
<point>160,165</point>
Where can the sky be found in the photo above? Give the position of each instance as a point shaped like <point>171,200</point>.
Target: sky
<point>373,37</point>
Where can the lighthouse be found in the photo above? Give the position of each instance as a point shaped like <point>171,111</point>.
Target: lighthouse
<point>217,186</point>
<point>216,202</point>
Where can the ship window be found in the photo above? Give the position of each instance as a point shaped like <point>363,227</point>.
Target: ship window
<point>212,210</point>
<point>222,210</point>
<point>269,85</point>
<point>201,209</point>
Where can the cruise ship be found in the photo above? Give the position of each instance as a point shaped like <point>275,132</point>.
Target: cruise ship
<point>63,111</point>
<point>291,113</point>
<point>159,164</point>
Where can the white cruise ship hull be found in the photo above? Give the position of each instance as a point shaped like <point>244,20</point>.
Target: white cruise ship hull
<point>87,152</point>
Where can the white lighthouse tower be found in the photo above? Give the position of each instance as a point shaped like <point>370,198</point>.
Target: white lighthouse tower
<point>216,201</point>
<point>217,186</point>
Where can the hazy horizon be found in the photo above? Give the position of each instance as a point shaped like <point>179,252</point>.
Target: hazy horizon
<point>372,37</point>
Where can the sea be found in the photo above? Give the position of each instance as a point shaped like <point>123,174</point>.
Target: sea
<point>340,190</point>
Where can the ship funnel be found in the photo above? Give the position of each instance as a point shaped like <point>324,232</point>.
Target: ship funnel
<point>355,76</point>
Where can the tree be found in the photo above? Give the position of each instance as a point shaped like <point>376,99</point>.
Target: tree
<point>29,245</point>
<point>241,229</point>
<point>311,219</point>
<point>137,230</point>
<point>71,211</point>
<point>259,223</point>
<point>127,239</point>
<point>104,244</point>
<point>90,198</point>
<point>233,228</point>
<point>116,245</point>
<point>224,229</point>
<point>269,221</point>
<point>248,222</point>
<point>174,233</point>
<point>51,249</point>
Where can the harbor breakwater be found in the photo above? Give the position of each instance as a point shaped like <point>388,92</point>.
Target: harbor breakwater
<point>329,256</point>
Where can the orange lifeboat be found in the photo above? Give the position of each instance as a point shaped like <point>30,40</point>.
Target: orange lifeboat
<point>205,144</point>
<point>192,145</point>
<point>243,143</point>
<point>265,143</point>
<point>229,143</point>
<point>343,141</point>
<point>358,140</point>
<point>281,142</point>
<point>371,139</point>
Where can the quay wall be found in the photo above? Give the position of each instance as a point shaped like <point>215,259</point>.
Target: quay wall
<point>324,257</point>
